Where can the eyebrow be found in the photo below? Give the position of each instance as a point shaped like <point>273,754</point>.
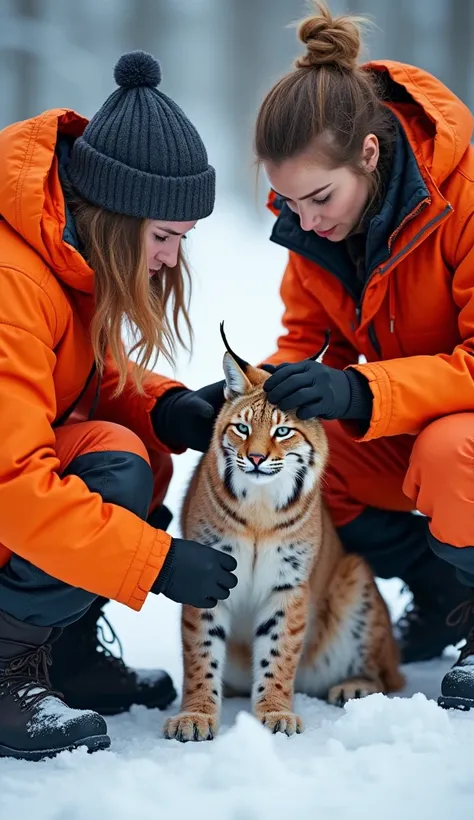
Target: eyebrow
<point>307,196</point>
<point>169,230</point>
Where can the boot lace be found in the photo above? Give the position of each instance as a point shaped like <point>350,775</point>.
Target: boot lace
<point>467,651</point>
<point>27,677</point>
<point>97,643</point>
<point>416,614</point>
<point>461,614</point>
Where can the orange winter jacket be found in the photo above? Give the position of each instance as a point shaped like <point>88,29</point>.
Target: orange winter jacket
<point>414,322</point>
<point>46,301</point>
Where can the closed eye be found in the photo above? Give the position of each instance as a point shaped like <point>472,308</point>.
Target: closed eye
<point>322,201</point>
<point>165,238</point>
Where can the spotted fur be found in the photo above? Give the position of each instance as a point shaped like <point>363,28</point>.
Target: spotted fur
<point>304,616</point>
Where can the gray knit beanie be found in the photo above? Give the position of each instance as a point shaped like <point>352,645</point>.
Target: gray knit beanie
<point>140,155</point>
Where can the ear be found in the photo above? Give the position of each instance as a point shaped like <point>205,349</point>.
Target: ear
<point>318,357</point>
<point>237,383</point>
<point>370,152</point>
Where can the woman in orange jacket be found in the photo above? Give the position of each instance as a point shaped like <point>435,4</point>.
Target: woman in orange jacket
<point>372,177</point>
<point>92,216</point>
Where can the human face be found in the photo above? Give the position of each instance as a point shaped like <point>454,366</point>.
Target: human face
<point>328,201</point>
<point>162,242</point>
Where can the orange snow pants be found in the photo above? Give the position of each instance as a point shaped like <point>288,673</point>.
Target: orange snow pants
<point>432,473</point>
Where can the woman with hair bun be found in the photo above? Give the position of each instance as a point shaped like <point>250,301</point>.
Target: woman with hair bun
<point>372,171</point>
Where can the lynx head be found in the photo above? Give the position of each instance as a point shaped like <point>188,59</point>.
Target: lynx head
<point>260,445</point>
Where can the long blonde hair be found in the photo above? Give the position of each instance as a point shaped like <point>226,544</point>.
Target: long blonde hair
<point>114,247</point>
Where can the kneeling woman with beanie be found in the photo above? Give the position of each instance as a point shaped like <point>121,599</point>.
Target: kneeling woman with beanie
<point>92,218</point>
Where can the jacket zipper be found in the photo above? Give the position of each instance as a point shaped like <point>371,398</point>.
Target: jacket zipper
<point>392,261</point>
<point>381,268</point>
<point>391,239</point>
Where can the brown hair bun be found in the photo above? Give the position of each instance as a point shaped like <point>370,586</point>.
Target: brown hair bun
<point>329,40</point>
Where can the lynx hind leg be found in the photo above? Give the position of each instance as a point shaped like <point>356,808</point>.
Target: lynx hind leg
<point>203,639</point>
<point>382,652</point>
<point>386,652</point>
<point>356,600</point>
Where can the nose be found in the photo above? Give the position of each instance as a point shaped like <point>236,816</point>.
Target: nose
<point>168,253</point>
<point>309,221</point>
<point>171,257</point>
<point>256,458</point>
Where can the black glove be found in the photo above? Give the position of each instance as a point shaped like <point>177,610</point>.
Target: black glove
<point>315,390</point>
<point>196,574</point>
<point>185,418</point>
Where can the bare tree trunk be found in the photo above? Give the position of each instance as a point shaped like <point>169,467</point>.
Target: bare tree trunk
<point>261,48</point>
<point>26,65</point>
<point>459,45</point>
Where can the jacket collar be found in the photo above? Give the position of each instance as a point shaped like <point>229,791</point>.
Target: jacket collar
<point>63,151</point>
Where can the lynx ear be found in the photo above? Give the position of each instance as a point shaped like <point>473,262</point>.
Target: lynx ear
<point>237,383</point>
<point>318,357</point>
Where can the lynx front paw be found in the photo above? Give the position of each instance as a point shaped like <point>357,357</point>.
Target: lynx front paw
<point>286,722</point>
<point>350,689</point>
<point>190,726</point>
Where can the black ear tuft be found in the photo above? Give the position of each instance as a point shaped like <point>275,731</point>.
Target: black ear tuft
<point>241,362</point>
<point>322,351</point>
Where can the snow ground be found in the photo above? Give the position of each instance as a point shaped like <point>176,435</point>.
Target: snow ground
<point>378,758</point>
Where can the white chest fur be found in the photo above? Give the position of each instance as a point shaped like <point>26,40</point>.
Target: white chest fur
<point>263,570</point>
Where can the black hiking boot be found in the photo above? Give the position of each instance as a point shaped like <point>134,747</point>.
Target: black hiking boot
<point>440,615</point>
<point>91,677</point>
<point>35,723</point>
<point>457,686</point>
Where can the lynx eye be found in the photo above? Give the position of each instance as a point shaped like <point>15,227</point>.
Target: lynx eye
<point>282,432</point>
<point>242,428</point>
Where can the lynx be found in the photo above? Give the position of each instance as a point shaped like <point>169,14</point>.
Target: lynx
<point>305,616</point>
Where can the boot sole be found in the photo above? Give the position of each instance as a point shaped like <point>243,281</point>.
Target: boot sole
<point>95,743</point>
<point>461,704</point>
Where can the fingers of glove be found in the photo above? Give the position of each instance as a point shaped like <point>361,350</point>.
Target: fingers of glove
<point>199,434</point>
<point>273,368</point>
<point>288,386</point>
<point>301,397</point>
<point>221,592</point>
<point>226,579</point>
<point>284,372</point>
<point>313,410</point>
<point>213,394</point>
<point>201,408</point>
<point>228,562</point>
<point>206,603</point>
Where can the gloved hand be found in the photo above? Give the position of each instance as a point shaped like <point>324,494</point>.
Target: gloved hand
<point>185,418</point>
<point>315,390</point>
<point>196,574</point>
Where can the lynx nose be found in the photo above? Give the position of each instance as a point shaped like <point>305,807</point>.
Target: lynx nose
<point>256,458</point>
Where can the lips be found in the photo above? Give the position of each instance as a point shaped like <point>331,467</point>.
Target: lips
<point>326,233</point>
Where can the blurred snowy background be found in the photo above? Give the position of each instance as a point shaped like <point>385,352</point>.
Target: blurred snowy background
<point>380,758</point>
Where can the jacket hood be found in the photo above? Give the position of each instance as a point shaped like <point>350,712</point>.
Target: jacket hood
<point>31,196</point>
<point>438,124</point>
